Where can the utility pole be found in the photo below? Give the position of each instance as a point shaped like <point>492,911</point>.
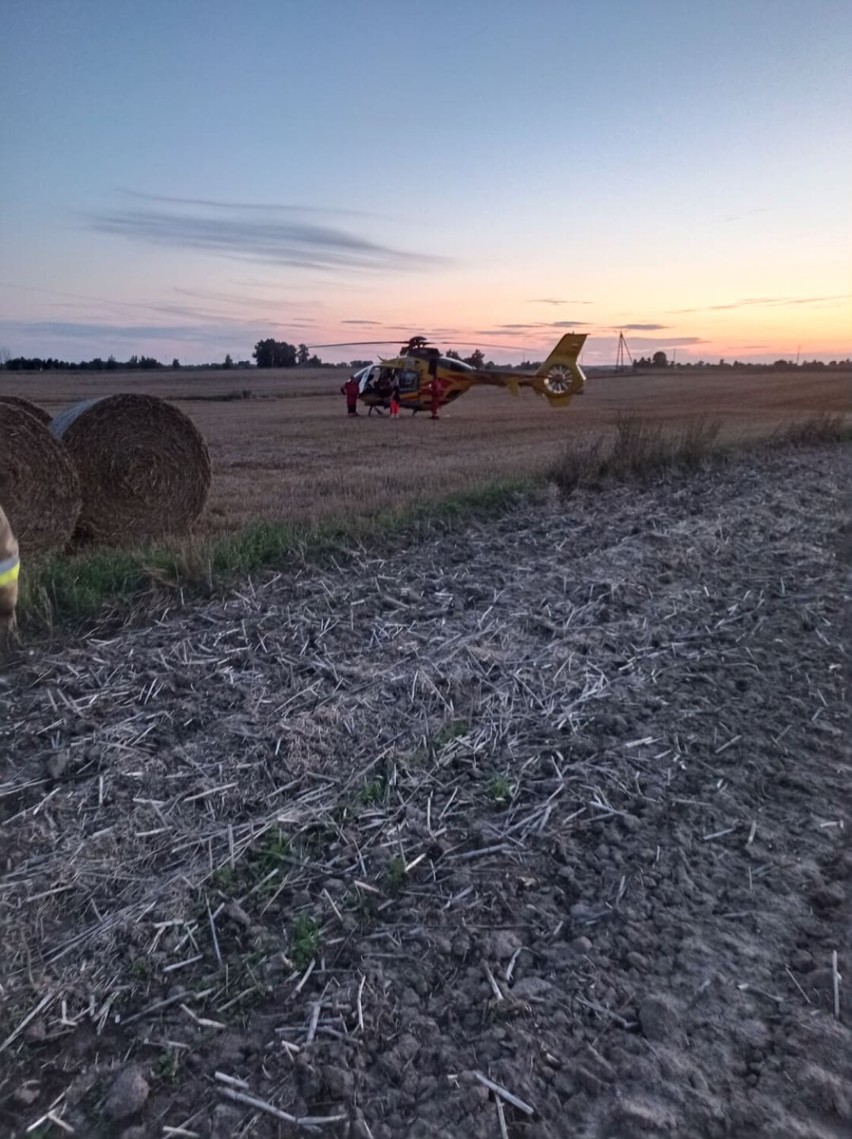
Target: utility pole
<point>619,355</point>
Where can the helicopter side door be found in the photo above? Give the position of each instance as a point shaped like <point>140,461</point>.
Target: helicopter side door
<point>368,378</point>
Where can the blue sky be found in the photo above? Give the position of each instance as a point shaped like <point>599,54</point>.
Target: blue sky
<point>182,179</point>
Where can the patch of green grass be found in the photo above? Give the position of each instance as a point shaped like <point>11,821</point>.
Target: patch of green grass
<point>57,588</point>
<point>70,589</point>
<point>451,731</point>
<point>167,1065</point>
<point>224,878</point>
<point>140,968</point>
<point>395,875</point>
<point>67,589</point>
<point>479,502</point>
<point>374,791</point>
<point>305,938</point>
<point>275,849</point>
<point>260,870</point>
<point>500,789</point>
<point>260,545</point>
<point>489,499</point>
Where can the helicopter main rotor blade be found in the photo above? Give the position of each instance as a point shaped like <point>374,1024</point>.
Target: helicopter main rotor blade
<point>400,340</point>
<point>355,343</point>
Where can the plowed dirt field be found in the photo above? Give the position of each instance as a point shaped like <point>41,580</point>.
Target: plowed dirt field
<point>535,828</point>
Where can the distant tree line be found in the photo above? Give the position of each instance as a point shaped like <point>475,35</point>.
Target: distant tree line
<point>279,354</point>
<point>37,364</point>
<point>111,364</point>
<point>272,353</point>
<point>658,360</point>
<point>661,360</point>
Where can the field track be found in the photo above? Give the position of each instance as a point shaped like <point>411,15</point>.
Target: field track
<point>288,453</point>
<point>556,804</point>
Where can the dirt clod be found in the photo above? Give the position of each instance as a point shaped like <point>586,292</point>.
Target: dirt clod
<point>660,1019</point>
<point>127,1094</point>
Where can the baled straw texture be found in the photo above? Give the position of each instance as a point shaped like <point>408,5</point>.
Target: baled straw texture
<point>143,465</point>
<point>27,405</point>
<point>39,489</point>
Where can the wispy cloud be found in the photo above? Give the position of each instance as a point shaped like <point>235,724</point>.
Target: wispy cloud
<point>643,327</point>
<point>195,328</point>
<point>371,323</point>
<point>766,301</point>
<point>267,207</point>
<point>645,341</point>
<point>669,341</point>
<point>242,300</point>
<point>267,234</point>
<point>132,333</point>
<point>81,301</point>
<point>601,349</point>
<point>533,328</point>
<point>554,301</point>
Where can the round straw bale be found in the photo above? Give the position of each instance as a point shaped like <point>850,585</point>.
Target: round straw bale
<point>39,488</point>
<point>143,465</point>
<point>27,405</point>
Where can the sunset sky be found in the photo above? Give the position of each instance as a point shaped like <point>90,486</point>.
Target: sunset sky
<point>182,178</point>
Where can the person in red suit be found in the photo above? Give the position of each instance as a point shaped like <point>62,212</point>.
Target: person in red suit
<point>351,390</point>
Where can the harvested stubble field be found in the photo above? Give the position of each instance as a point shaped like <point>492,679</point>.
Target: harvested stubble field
<point>537,828</point>
<point>288,453</point>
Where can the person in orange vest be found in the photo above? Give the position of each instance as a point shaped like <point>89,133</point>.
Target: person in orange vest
<point>436,391</point>
<point>394,402</point>
<point>351,389</point>
<point>9,565</point>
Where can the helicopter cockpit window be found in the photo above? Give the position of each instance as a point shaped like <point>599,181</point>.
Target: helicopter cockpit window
<point>409,380</point>
<point>456,365</point>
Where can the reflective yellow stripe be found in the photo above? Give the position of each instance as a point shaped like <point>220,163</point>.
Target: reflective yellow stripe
<point>7,576</point>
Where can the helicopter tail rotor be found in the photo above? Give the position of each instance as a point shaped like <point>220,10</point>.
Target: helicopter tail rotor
<point>560,376</point>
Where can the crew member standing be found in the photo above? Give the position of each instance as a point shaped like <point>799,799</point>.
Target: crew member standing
<point>394,402</point>
<point>351,390</point>
<point>436,390</point>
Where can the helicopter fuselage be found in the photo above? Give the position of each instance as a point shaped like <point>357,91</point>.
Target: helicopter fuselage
<point>411,375</point>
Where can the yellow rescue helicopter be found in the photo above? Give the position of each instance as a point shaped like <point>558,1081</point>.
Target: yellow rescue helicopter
<point>424,379</point>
